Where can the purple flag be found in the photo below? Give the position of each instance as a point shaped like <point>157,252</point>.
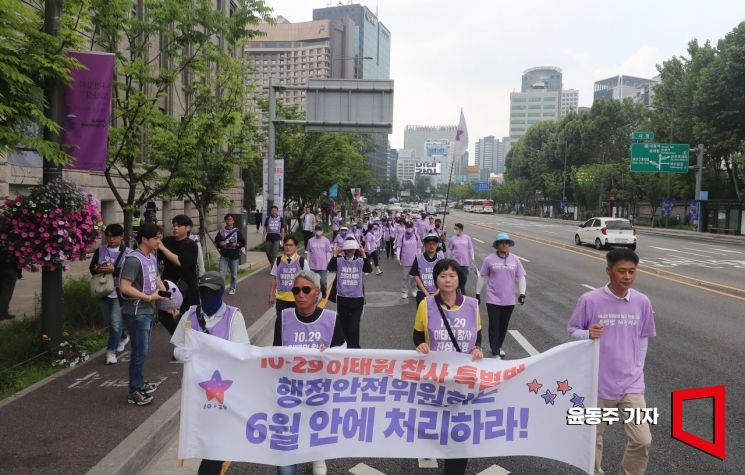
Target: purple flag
<point>86,106</point>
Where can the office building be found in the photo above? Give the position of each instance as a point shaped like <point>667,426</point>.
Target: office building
<point>406,165</point>
<point>485,153</point>
<point>640,90</point>
<point>569,102</point>
<point>415,136</point>
<point>547,78</point>
<point>369,55</point>
<point>539,99</point>
<point>392,162</point>
<point>499,156</point>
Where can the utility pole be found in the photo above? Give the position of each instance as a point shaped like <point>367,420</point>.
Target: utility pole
<point>270,158</point>
<point>51,280</point>
<point>699,178</point>
<point>669,177</point>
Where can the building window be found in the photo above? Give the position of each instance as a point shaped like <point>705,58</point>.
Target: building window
<point>534,107</point>
<point>549,106</point>
<point>520,122</point>
<point>518,108</point>
<point>549,114</point>
<point>534,99</point>
<point>549,98</point>
<point>517,129</point>
<point>518,114</point>
<point>518,99</point>
<point>534,114</point>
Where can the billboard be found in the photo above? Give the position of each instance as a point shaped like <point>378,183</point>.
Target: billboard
<point>427,168</point>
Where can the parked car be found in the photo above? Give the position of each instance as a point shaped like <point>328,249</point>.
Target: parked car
<point>431,210</point>
<point>605,232</point>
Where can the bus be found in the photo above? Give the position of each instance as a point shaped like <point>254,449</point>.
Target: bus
<point>478,206</point>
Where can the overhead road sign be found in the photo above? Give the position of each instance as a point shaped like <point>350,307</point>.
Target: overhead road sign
<point>659,157</point>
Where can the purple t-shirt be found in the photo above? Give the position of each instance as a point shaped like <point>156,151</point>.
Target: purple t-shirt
<point>409,249</point>
<point>500,275</point>
<point>349,277</point>
<point>319,250</point>
<point>221,329</point>
<point>624,323</point>
<point>460,248</point>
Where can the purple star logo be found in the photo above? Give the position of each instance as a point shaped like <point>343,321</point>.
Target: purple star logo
<point>216,387</point>
<point>549,397</point>
<point>458,135</point>
<point>577,400</point>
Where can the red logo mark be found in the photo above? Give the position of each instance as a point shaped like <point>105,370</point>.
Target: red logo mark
<point>716,448</point>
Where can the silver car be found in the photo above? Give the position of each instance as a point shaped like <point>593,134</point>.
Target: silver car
<point>605,232</point>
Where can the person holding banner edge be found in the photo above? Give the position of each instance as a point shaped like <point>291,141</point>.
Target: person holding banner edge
<point>214,317</point>
<point>623,320</point>
<point>307,326</point>
<point>444,310</point>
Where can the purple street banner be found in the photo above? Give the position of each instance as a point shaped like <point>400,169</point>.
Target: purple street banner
<point>86,105</point>
<point>282,406</point>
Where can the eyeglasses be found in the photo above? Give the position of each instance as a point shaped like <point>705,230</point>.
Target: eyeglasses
<point>306,290</point>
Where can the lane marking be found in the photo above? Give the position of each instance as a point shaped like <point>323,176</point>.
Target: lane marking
<point>653,272</point>
<point>524,342</point>
<point>494,470</point>
<point>363,469</point>
<point>704,251</point>
<point>427,463</point>
<point>588,286</point>
<point>522,258</point>
<point>725,250</point>
<point>479,240</point>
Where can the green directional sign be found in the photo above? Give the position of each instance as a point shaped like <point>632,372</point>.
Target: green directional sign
<point>642,135</point>
<point>659,157</point>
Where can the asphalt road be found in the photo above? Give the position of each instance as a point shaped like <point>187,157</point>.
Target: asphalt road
<point>697,288</point>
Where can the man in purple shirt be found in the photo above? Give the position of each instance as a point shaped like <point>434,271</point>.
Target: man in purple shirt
<point>460,247</point>
<point>319,249</point>
<point>623,320</point>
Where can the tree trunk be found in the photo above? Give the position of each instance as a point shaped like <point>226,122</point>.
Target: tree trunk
<point>128,225</point>
<point>249,190</point>
<point>734,178</point>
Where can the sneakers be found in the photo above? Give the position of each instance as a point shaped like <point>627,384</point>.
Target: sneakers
<point>502,353</point>
<point>404,295</point>
<point>148,388</point>
<point>379,272</point>
<point>319,467</point>
<point>122,344</point>
<point>139,398</point>
<point>413,293</point>
<point>231,292</point>
<point>110,357</point>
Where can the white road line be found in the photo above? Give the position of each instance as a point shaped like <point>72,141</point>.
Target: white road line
<point>494,470</point>
<point>675,250</point>
<point>726,250</point>
<point>522,258</point>
<point>588,286</point>
<point>524,342</point>
<point>704,251</point>
<point>427,463</point>
<point>362,469</point>
<point>479,240</point>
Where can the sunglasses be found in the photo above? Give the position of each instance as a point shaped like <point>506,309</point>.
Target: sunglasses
<point>306,290</point>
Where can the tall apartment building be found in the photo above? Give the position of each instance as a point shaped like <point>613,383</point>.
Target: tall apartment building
<point>392,162</point>
<point>485,153</point>
<point>569,102</point>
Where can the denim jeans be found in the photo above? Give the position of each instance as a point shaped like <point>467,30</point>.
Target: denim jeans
<point>113,312</point>
<point>287,470</point>
<point>272,249</point>
<point>232,264</point>
<point>324,280</point>
<point>139,333</point>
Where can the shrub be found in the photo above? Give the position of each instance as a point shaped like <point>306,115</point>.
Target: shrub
<point>79,309</point>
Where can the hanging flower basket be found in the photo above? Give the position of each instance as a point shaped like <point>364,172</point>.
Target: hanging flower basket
<point>51,226</point>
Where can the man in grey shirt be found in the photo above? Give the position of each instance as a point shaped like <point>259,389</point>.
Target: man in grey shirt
<point>139,287</point>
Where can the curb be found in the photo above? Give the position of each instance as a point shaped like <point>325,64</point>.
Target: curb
<point>135,452</point>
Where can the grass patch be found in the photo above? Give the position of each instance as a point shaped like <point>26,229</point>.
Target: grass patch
<point>23,356</point>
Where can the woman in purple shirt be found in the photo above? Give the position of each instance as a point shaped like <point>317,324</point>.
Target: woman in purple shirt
<point>500,271</point>
<point>460,247</point>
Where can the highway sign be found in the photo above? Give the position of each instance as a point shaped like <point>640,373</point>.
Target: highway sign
<point>642,135</point>
<point>480,187</point>
<point>659,157</point>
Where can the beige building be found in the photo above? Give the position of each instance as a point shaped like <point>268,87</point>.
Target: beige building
<point>20,170</point>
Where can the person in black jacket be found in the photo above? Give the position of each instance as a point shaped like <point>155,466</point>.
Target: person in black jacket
<point>229,241</point>
<point>178,254</point>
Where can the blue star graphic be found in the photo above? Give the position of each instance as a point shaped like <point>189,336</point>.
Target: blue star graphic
<point>549,397</point>
<point>577,400</point>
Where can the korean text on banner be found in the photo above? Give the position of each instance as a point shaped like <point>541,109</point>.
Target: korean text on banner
<point>281,406</point>
<point>86,110</point>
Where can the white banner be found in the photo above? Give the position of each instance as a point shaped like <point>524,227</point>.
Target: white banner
<point>279,185</point>
<point>282,406</point>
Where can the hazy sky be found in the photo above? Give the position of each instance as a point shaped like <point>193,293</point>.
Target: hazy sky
<point>471,53</point>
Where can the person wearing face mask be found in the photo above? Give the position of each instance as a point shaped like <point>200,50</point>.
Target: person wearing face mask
<point>283,272</point>
<point>424,263</point>
<point>436,316</point>
<point>372,243</point>
<point>214,317</point>
<point>500,271</point>
<point>359,230</point>
<point>319,249</point>
<point>343,233</point>
<point>348,290</point>
<point>406,250</point>
<point>307,326</point>
<point>441,234</point>
<point>461,249</point>
<point>389,235</point>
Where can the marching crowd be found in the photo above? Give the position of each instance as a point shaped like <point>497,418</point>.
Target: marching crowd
<point>163,280</point>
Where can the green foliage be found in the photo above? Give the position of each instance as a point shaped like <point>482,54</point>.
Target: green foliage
<point>29,59</point>
<point>79,309</point>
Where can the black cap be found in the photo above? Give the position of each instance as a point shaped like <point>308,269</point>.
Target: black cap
<point>212,280</point>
